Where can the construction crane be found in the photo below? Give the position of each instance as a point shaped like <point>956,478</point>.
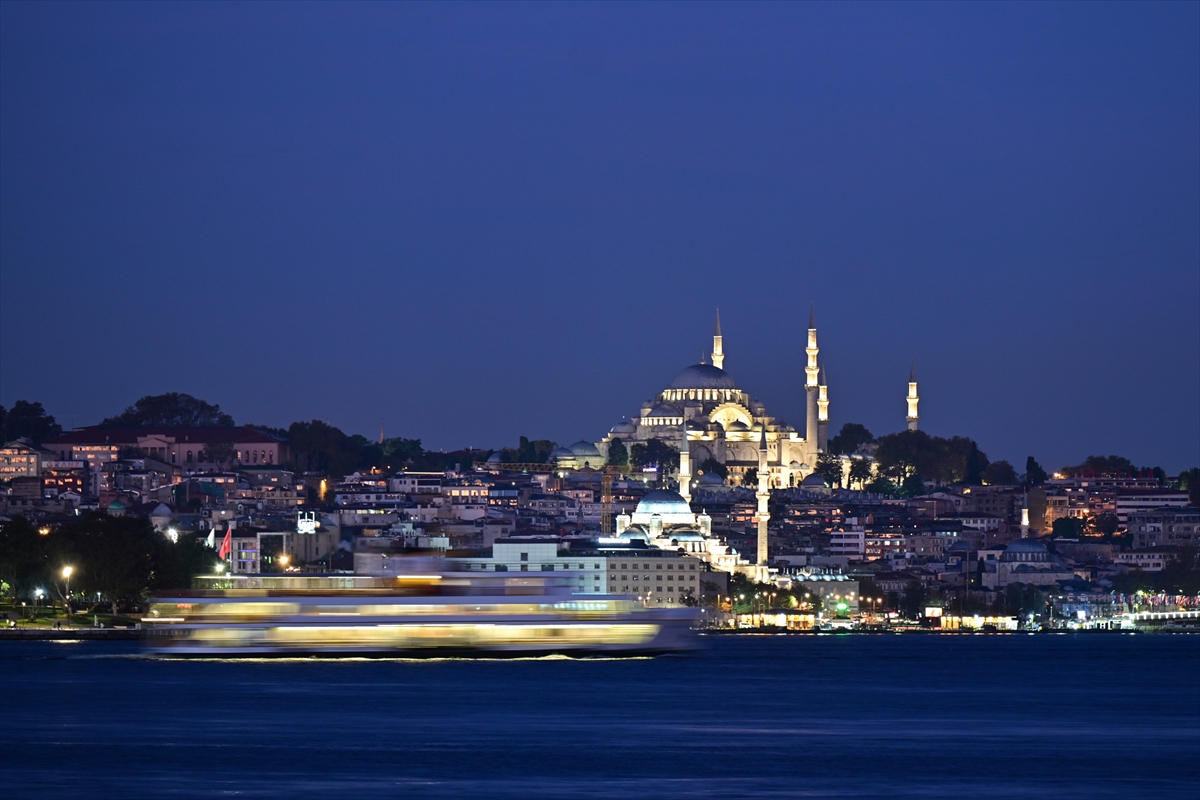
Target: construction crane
<point>606,498</point>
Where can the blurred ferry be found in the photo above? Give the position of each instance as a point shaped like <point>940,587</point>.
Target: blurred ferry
<point>428,614</point>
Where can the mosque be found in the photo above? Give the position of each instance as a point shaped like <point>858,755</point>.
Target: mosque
<point>706,415</point>
<point>664,519</point>
<point>704,412</point>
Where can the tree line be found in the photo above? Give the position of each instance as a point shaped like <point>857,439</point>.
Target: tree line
<point>906,460</point>
<point>117,560</point>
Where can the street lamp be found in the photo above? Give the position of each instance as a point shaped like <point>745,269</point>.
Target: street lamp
<point>66,573</point>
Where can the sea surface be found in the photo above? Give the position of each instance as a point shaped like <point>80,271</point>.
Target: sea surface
<point>845,716</point>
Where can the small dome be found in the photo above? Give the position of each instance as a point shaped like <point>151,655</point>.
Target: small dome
<point>582,449</point>
<point>496,458</point>
<point>161,510</point>
<point>813,480</point>
<point>116,505</point>
<point>561,454</point>
<point>694,425</point>
<point>710,479</point>
<point>703,376</point>
<point>663,502</point>
<point>664,410</point>
<point>623,427</point>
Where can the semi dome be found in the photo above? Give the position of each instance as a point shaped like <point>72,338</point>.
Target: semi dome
<point>623,427</point>
<point>561,454</point>
<point>496,458</point>
<point>703,376</point>
<point>664,410</point>
<point>710,479</point>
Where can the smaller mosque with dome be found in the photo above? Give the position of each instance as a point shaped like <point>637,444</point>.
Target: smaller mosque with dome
<point>664,519</point>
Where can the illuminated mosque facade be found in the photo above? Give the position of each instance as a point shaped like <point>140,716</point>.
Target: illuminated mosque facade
<point>705,414</point>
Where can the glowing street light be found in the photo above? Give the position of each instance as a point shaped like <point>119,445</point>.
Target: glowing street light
<point>66,573</point>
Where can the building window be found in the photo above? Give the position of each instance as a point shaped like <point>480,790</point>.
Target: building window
<point>189,456</point>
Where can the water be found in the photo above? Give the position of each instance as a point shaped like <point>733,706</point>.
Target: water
<point>1071,716</point>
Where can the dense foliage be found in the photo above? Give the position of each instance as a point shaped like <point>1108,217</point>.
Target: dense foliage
<point>171,410</point>
<point>907,454</point>
<point>27,420</point>
<point>118,559</point>
<point>618,455</point>
<point>850,438</point>
<point>654,453</point>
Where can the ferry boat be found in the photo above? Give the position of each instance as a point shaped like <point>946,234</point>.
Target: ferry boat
<point>407,615</point>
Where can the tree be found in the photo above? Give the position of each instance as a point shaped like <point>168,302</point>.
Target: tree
<point>171,410</point>
<point>1034,474</point>
<point>712,466</point>
<point>118,556</point>
<point>882,485</point>
<point>320,447</point>
<point>27,420</point>
<point>913,486</point>
<point>1190,482</point>
<point>750,478</point>
<point>1101,465</point>
<point>1068,527</point>
<point>830,469</point>
<point>914,599</point>
<point>850,438</point>
<point>654,453</point>
<point>530,452</point>
<point>1104,524</point>
<point>222,454</point>
<point>22,555</point>
<point>618,456</point>
<point>860,471</point>
<point>1000,473</point>
<point>1181,575</point>
<point>901,455</point>
<point>976,463</point>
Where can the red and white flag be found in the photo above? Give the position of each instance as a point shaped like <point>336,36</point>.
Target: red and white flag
<point>226,544</point>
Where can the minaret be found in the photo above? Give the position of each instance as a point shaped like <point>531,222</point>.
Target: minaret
<point>764,495</point>
<point>812,371</point>
<point>718,356</point>
<point>1025,516</point>
<point>912,397</point>
<point>823,413</point>
<point>685,466</point>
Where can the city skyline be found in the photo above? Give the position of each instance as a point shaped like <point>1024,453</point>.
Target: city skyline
<point>475,223</point>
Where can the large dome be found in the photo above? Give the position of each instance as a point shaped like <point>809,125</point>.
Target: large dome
<point>583,449</point>
<point>1026,550</point>
<point>668,507</point>
<point>703,376</point>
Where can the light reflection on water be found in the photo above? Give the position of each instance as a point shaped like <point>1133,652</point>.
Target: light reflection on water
<point>848,716</point>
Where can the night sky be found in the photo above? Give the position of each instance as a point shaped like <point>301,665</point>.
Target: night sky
<point>472,222</point>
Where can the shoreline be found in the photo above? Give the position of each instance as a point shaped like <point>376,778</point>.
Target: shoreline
<point>70,634</point>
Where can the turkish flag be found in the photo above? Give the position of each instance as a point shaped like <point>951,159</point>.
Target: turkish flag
<point>226,544</point>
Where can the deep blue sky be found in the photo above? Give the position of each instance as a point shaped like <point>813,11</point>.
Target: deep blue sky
<point>480,221</point>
